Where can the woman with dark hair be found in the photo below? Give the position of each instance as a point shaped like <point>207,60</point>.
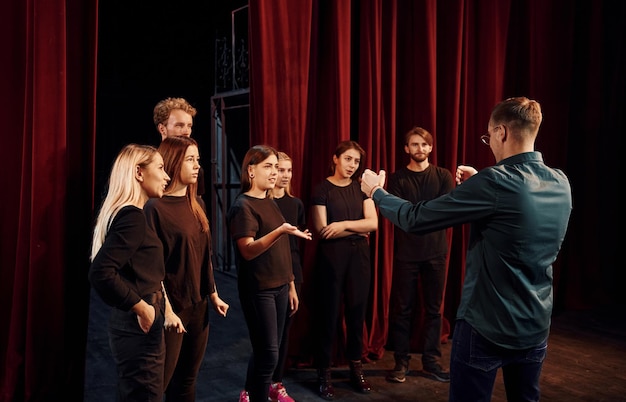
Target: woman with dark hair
<point>343,217</point>
<point>265,279</point>
<point>179,219</point>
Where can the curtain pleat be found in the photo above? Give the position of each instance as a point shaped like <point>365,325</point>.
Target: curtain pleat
<point>377,68</point>
<point>48,112</point>
<point>322,71</point>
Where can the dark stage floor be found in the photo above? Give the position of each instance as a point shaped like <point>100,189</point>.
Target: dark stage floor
<point>586,362</point>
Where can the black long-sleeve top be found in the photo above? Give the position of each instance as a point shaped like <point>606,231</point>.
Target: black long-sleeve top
<point>129,265</point>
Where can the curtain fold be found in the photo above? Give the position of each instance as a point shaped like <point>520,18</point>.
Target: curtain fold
<point>370,130</point>
<point>48,88</point>
<point>322,71</point>
<point>377,68</point>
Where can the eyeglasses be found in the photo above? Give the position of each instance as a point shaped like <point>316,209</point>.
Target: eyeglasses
<point>487,136</point>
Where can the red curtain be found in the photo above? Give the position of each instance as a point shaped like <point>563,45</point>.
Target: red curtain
<point>322,71</point>
<point>376,68</point>
<point>47,86</point>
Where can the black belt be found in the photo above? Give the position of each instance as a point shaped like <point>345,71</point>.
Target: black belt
<point>154,298</point>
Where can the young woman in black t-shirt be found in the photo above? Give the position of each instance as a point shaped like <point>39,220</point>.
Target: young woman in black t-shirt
<point>265,277</point>
<point>343,217</point>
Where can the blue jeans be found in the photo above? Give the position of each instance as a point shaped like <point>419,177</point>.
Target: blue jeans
<point>474,363</point>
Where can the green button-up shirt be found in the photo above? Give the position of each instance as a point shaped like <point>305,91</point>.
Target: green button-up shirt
<point>519,211</point>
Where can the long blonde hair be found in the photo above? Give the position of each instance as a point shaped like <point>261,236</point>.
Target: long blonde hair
<point>284,157</point>
<point>123,189</point>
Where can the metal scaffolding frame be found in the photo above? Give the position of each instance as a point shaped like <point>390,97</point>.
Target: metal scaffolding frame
<point>230,131</point>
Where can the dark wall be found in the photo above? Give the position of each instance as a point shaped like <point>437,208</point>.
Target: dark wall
<point>147,53</point>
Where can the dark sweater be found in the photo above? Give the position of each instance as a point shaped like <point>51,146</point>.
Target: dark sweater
<point>129,265</point>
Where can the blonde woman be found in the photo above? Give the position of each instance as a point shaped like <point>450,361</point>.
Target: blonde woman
<point>127,269</point>
<point>292,209</point>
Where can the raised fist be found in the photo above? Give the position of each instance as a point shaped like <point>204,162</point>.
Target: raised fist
<point>370,181</point>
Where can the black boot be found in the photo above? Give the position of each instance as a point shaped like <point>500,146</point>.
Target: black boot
<point>357,379</point>
<point>326,389</point>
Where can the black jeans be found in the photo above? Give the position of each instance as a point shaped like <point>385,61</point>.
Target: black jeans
<point>283,350</point>
<point>140,357</point>
<point>265,312</point>
<point>408,279</point>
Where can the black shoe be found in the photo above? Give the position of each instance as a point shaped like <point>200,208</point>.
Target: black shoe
<point>436,372</point>
<point>400,370</point>
<point>357,379</point>
<point>325,387</point>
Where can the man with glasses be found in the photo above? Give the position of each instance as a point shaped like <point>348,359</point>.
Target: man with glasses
<point>519,211</point>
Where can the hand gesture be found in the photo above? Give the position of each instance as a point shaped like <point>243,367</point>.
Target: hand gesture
<point>464,172</point>
<point>293,230</point>
<point>370,181</point>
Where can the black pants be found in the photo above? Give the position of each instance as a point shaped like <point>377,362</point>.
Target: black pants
<point>283,349</point>
<point>140,357</point>
<point>185,352</point>
<point>404,293</point>
<point>265,312</point>
<point>343,273</point>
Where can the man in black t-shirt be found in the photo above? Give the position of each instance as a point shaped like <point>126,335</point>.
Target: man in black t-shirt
<point>418,258</point>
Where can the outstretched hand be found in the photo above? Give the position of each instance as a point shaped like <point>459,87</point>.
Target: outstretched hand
<point>370,181</point>
<point>293,230</point>
<point>464,172</point>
